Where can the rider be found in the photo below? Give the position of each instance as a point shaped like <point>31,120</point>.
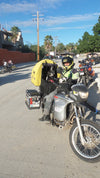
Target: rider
<point>5,64</point>
<point>68,70</point>
<point>10,63</point>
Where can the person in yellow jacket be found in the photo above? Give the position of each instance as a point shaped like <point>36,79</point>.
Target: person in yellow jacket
<point>68,69</point>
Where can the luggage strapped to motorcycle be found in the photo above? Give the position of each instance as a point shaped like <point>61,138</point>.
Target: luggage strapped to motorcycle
<point>37,72</point>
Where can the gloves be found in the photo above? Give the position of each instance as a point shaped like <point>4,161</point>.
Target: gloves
<point>61,80</point>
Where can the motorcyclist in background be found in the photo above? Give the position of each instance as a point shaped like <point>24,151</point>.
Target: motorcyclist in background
<point>5,64</point>
<point>10,63</point>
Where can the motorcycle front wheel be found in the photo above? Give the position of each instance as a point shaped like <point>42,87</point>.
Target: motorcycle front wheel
<point>90,151</point>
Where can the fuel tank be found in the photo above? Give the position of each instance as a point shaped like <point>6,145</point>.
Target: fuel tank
<point>60,106</point>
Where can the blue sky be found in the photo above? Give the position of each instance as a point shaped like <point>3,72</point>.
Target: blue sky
<point>65,20</point>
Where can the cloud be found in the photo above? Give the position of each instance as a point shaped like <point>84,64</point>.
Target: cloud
<point>64,20</point>
<point>17,7</point>
<point>55,21</point>
<point>22,23</point>
<point>69,28</point>
<point>97,14</point>
<point>50,3</point>
<point>26,6</point>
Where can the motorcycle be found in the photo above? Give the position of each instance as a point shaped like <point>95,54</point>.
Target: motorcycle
<point>68,107</point>
<point>93,58</point>
<point>86,73</point>
<point>84,137</point>
<point>8,68</point>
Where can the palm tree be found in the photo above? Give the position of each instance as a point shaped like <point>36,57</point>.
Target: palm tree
<point>14,31</point>
<point>48,42</point>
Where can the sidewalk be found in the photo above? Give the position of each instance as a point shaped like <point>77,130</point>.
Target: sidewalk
<point>27,64</point>
<point>23,65</point>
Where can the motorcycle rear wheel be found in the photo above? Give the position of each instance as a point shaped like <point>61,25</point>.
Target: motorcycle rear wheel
<point>89,152</point>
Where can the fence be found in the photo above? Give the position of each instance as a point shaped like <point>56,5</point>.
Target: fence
<point>16,56</point>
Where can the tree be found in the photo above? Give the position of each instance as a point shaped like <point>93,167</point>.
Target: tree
<point>84,43</point>
<point>25,49</point>
<point>90,43</point>
<point>60,47</point>
<point>70,47</point>
<point>14,31</point>
<point>34,49</point>
<point>48,42</point>
<point>42,50</point>
<point>96,43</point>
<point>96,28</point>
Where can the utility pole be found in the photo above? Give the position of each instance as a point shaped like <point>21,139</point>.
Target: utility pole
<point>37,19</point>
<point>56,38</point>
<point>37,35</point>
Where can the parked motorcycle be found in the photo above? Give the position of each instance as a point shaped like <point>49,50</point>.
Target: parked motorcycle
<point>69,107</point>
<point>7,69</point>
<point>86,73</point>
<point>93,58</point>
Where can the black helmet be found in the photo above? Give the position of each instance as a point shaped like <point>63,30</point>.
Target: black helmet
<point>69,60</point>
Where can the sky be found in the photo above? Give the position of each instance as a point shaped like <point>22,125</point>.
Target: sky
<point>65,20</point>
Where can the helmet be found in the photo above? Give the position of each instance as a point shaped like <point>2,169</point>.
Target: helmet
<point>69,61</point>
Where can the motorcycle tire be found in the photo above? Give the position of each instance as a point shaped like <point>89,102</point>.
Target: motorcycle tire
<point>89,152</point>
<point>2,71</point>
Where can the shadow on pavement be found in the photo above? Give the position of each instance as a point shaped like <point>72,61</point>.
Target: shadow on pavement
<point>17,74</point>
<point>13,77</point>
<point>94,100</point>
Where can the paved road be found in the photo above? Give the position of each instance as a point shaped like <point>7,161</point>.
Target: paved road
<point>30,148</point>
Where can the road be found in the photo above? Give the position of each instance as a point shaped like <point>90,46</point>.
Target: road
<point>30,148</point>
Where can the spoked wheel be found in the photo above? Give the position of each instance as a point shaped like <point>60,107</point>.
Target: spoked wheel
<point>90,151</point>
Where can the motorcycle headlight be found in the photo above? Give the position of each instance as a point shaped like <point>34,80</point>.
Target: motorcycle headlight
<point>83,95</point>
<point>80,92</point>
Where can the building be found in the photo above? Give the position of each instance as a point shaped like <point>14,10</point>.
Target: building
<point>5,40</point>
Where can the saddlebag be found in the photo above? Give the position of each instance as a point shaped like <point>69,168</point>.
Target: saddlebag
<point>32,99</point>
